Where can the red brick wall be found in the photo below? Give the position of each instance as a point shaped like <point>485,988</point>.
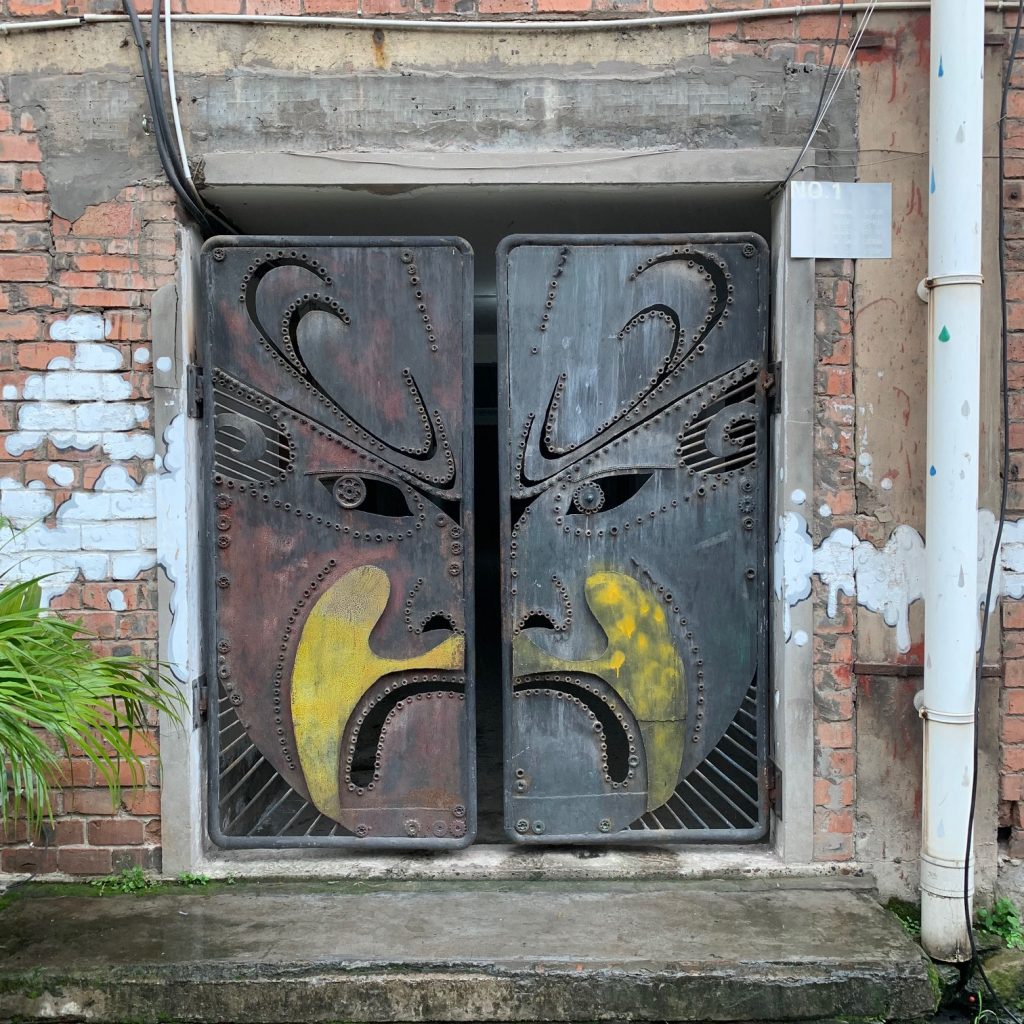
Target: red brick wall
<point>834,474</point>
<point>1011,783</point>
<point>109,262</point>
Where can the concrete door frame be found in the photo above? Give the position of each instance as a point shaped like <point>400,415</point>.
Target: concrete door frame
<point>186,844</point>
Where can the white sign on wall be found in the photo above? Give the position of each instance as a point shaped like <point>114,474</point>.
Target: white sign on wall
<point>840,220</point>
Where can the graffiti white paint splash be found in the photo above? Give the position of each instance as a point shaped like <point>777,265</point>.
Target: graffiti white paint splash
<point>62,476</point>
<point>1009,579</point>
<point>81,402</point>
<point>886,580</point>
<point>84,401</point>
<point>80,327</point>
<point>108,534</point>
<point>865,471</point>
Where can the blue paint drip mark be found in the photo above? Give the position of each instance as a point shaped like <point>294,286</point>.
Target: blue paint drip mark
<point>941,72</point>
<point>931,186</point>
<point>931,471</point>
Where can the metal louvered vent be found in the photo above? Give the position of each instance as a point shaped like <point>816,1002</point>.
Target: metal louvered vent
<point>249,444</point>
<point>724,436</point>
<point>725,790</point>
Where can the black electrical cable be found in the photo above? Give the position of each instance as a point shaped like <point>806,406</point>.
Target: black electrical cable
<point>162,126</point>
<point>165,159</point>
<point>160,113</point>
<point>975,963</point>
<point>821,102</point>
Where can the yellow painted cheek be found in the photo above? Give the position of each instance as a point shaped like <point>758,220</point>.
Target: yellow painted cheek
<point>335,666</point>
<point>640,662</point>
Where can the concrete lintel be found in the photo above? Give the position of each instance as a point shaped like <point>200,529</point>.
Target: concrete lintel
<point>521,167</point>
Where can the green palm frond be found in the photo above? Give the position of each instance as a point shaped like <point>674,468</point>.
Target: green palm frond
<point>57,696</point>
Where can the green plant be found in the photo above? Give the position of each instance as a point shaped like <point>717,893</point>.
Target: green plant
<point>128,880</point>
<point>58,695</point>
<point>192,880</point>
<point>1003,921</point>
<point>908,915</point>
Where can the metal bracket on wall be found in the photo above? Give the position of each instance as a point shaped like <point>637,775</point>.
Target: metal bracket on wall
<point>194,388</point>
<point>768,384</point>
<point>200,700</point>
<point>773,786</point>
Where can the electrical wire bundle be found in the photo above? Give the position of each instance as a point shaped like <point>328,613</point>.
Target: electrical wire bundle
<point>828,94</point>
<point>173,161</point>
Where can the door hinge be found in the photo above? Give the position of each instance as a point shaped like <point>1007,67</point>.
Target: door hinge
<point>768,385</point>
<point>200,700</point>
<point>773,787</point>
<point>194,388</point>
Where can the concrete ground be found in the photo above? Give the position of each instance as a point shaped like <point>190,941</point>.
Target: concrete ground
<point>460,951</point>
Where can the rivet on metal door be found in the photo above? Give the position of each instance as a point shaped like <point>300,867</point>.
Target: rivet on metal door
<point>338,494</point>
<point>634,522</point>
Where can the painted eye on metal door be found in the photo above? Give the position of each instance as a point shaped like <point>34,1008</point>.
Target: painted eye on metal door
<point>371,495</point>
<point>605,493</point>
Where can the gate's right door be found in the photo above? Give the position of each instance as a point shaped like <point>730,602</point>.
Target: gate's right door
<point>634,522</point>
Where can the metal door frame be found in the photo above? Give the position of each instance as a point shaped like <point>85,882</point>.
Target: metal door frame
<point>175,312</point>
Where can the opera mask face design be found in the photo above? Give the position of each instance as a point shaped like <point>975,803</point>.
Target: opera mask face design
<point>634,535</point>
<point>339,495</point>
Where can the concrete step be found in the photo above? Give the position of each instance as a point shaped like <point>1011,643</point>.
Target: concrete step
<point>460,951</point>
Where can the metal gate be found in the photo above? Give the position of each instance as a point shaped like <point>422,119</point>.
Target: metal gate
<point>338,509</point>
<point>633,533</point>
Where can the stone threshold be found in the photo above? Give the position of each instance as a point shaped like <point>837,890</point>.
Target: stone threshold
<point>276,952</point>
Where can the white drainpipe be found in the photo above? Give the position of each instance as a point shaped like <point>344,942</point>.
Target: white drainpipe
<point>951,523</point>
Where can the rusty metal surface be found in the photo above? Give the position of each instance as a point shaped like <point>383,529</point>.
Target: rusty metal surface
<point>338,499</point>
<point>634,487</point>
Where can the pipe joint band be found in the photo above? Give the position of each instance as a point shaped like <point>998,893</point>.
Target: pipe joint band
<point>944,877</point>
<point>939,280</point>
<point>950,717</point>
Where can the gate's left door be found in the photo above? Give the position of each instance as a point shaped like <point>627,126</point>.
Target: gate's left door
<point>337,485</point>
